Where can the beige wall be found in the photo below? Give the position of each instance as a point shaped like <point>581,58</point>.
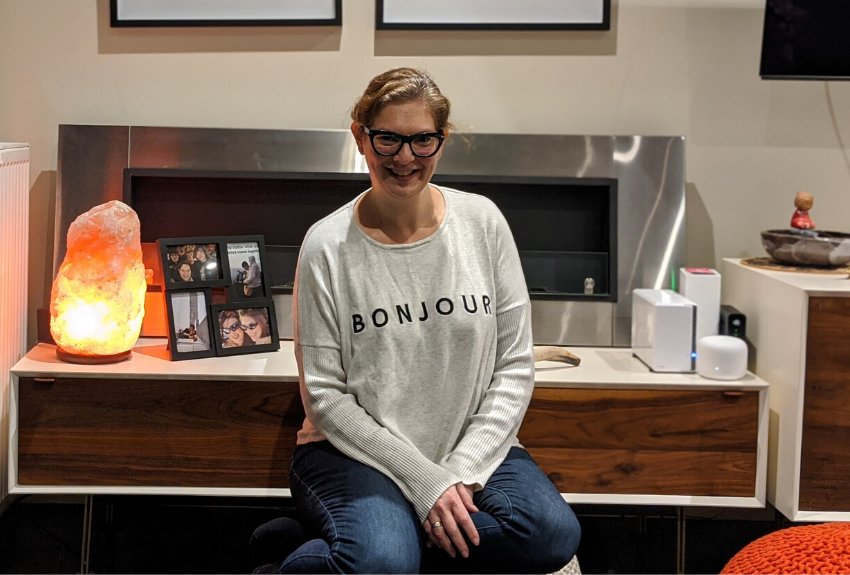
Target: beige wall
<point>685,67</point>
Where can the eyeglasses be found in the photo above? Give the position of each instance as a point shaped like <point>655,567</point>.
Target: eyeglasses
<point>422,145</point>
<point>233,327</point>
<point>250,326</point>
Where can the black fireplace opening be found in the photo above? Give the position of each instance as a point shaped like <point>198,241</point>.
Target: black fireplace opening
<point>564,228</point>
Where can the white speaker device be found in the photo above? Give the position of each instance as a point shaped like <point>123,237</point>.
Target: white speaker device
<point>722,357</point>
<point>702,286</point>
<point>663,324</point>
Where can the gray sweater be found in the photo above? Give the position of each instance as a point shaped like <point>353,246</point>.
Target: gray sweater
<point>415,359</point>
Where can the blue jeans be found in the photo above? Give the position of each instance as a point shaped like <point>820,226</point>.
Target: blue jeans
<point>365,524</point>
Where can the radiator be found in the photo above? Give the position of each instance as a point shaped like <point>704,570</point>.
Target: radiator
<point>14,248</point>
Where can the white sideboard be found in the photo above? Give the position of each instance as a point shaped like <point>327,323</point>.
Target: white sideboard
<point>609,431</point>
<point>798,325</point>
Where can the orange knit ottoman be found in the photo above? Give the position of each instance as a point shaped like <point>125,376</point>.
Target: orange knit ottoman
<point>823,548</point>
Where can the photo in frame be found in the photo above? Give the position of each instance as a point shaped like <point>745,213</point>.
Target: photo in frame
<point>493,15</point>
<point>191,263</point>
<point>245,327</point>
<point>246,260</point>
<point>190,326</point>
<point>156,13</point>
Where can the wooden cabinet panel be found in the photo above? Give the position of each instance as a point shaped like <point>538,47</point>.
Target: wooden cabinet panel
<point>825,453</point>
<point>146,432</point>
<point>649,472</point>
<point>645,441</point>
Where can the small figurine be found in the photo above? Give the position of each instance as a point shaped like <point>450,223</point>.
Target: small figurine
<point>801,219</point>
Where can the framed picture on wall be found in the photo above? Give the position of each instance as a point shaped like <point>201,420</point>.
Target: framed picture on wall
<point>493,15</point>
<point>190,327</point>
<point>245,263</point>
<point>245,327</point>
<point>154,13</point>
<point>188,263</point>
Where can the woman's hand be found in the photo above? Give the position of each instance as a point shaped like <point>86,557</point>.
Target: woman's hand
<point>448,517</point>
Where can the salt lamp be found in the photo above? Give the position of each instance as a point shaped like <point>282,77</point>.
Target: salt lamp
<point>97,300</point>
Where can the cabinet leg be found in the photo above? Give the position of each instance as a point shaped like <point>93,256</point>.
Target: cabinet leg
<point>86,548</point>
<point>680,540</point>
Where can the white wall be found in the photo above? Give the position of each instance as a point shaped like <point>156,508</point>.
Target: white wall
<point>685,67</point>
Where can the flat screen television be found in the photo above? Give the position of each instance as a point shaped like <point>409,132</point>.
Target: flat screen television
<point>806,40</point>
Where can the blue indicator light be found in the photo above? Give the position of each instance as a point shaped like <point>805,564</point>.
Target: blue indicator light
<point>694,354</point>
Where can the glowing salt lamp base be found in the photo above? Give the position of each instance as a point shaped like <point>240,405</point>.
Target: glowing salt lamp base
<point>91,359</point>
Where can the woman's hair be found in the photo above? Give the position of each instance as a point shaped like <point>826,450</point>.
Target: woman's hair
<point>399,86</point>
<point>259,313</point>
<point>226,315</point>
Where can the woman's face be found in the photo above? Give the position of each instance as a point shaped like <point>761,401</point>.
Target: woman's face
<point>200,255</point>
<point>174,256</point>
<point>255,326</point>
<point>403,175</point>
<point>190,257</point>
<point>234,330</point>
<point>185,271</point>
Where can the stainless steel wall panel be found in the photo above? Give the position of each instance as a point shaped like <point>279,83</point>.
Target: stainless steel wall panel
<point>90,172</point>
<point>525,155</point>
<point>572,322</point>
<point>650,223</point>
<point>244,150</point>
<point>650,199</point>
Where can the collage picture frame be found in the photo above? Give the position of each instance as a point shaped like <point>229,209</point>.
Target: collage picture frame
<point>213,279</point>
<point>240,329</point>
<point>190,326</point>
<point>246,257</point>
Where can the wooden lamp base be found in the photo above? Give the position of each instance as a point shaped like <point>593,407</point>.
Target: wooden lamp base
<point>91,359</point>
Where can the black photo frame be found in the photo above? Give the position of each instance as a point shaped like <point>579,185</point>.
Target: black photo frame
<point>254,312</point>
<point>492,15</point>
<point>237,253</point>
<point>190,324</point>
<point>146,14</point>
<point>174,278</point>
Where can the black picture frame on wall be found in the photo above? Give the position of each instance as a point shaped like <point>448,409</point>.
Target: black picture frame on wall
<point>493,15</point>
<point>190,324</point>
<point>164,13</point>
<point>212,273</point>
<point>237,252</point>
<point>252,319</point>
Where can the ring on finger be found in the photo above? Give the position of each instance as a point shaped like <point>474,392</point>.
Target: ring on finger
<point>436,524</point>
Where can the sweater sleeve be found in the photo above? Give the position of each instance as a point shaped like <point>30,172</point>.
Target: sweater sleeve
<point>492,429</point>
<point>334,411</point>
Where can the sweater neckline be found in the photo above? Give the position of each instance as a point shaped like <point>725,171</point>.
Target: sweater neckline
<point>417,243</point>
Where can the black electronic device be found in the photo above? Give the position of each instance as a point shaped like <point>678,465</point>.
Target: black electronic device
<point>732,322</point>
<point>806,40</point>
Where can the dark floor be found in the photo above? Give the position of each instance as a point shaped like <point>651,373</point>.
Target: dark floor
<point>210,535</point>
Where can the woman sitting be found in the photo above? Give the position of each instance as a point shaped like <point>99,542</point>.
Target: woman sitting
<point>413,338</point>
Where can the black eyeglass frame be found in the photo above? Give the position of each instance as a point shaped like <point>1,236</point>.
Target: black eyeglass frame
<point>404,140</point>
<point>227,331</point>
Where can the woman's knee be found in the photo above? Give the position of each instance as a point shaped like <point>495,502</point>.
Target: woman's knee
<point>555,538</point>
<point>378,556</point>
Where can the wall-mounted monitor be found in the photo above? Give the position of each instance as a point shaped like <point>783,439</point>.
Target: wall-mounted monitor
<point>806,40</point>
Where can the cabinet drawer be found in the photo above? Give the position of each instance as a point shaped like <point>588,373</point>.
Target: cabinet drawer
<point>653,442</point>
<point>825,451</point>
<point>147,432</point>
